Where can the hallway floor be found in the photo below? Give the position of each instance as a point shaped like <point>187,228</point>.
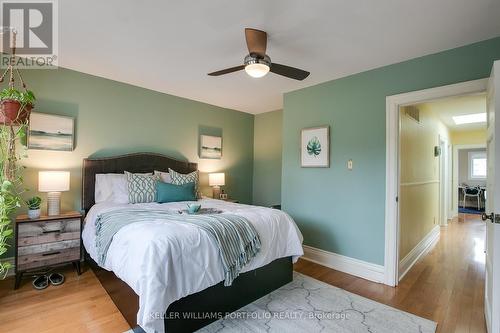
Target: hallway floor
<point>446,286</point>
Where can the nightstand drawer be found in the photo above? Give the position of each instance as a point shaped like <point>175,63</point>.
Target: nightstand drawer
<point>48,231</point>
<point>47,247</point>
<point>47,258</point>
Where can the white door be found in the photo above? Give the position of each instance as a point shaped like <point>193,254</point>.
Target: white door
<point>492,283</point>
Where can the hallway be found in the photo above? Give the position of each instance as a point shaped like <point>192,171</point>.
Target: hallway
<point>446,286</point>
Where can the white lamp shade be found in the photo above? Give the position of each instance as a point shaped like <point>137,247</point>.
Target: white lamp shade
<point>53,181</point>
<point>216,179</point>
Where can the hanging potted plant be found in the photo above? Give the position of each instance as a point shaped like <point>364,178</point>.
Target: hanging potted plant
<point>15,108</point>
<point>15,105</point>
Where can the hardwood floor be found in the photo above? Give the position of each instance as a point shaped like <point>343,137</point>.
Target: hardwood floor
<point>79,305</point>
<point>445,286</point>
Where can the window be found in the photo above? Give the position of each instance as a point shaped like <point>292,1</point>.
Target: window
<point>477,165</point>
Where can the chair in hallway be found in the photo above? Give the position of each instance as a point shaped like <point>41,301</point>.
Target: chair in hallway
<point>473,192</point>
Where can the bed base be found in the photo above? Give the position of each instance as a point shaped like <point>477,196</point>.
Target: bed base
<point>197,310</point>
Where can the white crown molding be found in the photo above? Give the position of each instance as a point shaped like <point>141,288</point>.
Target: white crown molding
<point>356,267</point>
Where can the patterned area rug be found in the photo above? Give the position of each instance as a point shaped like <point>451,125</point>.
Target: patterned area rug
<point>309,305</point>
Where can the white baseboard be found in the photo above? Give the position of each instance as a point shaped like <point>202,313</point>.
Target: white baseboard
<point>345,264</point>
<point>487,316</point>
<point>418,251</point>
<point>12,263</point>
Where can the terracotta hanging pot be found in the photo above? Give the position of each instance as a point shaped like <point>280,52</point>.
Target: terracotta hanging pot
<point>12,114</point>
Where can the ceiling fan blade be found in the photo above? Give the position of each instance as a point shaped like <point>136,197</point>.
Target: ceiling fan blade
<point>227,70</point>
<point>256,41</point>
<point>290,72</point>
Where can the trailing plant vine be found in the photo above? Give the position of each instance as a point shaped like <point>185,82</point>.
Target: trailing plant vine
<point>15,108</point>
<point>10,185</point>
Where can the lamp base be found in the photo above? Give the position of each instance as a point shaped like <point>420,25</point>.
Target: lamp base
<point>53,203</point>
<point>216,192</point>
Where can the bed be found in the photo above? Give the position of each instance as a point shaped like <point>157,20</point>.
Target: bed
<point>194,294</point>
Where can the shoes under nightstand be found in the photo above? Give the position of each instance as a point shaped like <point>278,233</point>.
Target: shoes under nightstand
<point>46,242</point>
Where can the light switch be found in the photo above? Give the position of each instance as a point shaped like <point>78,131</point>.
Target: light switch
<point>349,165</point>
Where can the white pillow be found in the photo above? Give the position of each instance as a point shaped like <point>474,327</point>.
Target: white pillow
<point>111,187</point>
<point>164,176</point>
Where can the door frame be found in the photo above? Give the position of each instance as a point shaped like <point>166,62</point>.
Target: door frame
<point>393,103</point>
<point>456,150</point>
<point>444,180</point>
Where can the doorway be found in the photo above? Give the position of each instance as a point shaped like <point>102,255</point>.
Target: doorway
<point>393,272</point>
<point>465,176</point>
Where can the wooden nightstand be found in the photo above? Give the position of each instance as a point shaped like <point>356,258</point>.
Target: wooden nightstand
<point>47,241</point>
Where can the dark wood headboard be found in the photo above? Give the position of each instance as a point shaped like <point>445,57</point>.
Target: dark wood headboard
<point>136,163</point>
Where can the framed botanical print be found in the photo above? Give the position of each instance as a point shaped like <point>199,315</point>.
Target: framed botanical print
<point>315,147</point>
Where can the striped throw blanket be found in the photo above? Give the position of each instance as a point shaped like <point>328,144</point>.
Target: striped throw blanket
<point>237,240</point>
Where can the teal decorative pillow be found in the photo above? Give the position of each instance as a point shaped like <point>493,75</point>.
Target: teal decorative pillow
<point>166,192</point>
<point>141,188</point>
<point>181,178</point>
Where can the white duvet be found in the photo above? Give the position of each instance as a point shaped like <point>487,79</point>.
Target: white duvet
<point>163,262</point>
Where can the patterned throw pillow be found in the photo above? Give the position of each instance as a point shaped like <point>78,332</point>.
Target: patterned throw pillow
<point>181,179</point>
<point>141,188</point>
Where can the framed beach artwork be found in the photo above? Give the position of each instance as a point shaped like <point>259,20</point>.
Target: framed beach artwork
<point>50,132</point>
<point>210,146</point>
<point>315,147</point>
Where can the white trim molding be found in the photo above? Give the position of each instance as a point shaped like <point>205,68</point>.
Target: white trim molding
<point>356,267</point>
<point>393,103</point>
<point>427,182</point>
<point>426,244</point>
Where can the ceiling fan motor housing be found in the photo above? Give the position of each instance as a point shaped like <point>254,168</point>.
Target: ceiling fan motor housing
<point>257,59</point>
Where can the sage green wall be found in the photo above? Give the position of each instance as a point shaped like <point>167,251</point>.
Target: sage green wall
<point>267,158</point>
<point>343,211</point>
<point>115,118</point>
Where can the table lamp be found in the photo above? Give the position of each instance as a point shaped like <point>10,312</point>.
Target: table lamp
<point>216,180</point>
<point>53,182</point>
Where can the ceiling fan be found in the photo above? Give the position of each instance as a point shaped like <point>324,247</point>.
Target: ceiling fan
<point>257,63</point>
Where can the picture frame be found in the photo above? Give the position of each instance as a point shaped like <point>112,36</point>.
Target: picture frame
<point>210,147</point>
<point>315,147</point>
<point>51,132</point>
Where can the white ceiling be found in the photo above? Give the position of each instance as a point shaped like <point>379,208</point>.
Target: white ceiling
<point>169,46</point>
<point>446,109</point>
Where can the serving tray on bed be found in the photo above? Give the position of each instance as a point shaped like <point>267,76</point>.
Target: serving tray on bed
<point>202,211</point>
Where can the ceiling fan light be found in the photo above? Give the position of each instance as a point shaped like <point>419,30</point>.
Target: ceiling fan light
<point>257,70</point>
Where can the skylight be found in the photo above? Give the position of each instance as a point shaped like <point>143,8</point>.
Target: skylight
<point>470,118</point>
